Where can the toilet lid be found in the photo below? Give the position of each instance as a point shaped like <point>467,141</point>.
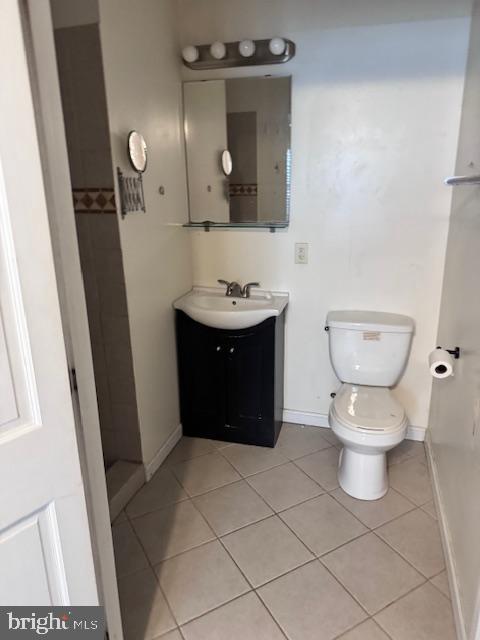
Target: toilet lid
<point>370,408</point>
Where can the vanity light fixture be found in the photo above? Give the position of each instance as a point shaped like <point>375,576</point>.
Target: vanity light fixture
<point>246,48</point>
<point>190,53</point>
<point>277,46</point>
<point>220,55</point>
<point>218,50</point>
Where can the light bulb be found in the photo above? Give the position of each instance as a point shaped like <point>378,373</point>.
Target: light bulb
<point>246,48</point>
<point>277,46</point>
<point>190,53</point>
<point>218,50</point>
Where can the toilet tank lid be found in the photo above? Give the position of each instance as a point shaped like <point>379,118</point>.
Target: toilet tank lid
<point>370,321</point>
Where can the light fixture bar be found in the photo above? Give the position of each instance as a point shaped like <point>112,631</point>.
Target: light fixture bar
<point>261,56</point>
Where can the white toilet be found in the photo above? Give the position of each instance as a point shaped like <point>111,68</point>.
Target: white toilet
<point>368,352</point>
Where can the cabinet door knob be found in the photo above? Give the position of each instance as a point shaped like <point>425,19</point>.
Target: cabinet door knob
<point>232,349</point>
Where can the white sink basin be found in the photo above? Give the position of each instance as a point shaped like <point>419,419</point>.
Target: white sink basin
<point>210,306</point>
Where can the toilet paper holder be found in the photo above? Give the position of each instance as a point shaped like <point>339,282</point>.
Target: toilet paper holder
<point>453,352</point>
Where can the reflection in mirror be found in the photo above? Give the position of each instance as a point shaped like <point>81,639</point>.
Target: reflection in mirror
<point>238,150</point>
<point>137,151</point>
<point>227,164</point>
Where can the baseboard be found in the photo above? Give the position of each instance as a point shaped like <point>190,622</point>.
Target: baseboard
<point>321,420</point>
<point>416,433</point>
<point>446,543</point>
<point>306,417</point>
<point>124,479</point>
<point>162,453</point>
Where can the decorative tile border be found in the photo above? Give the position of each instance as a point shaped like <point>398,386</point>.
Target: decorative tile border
<point>94,200</point>
<point>242,190</point>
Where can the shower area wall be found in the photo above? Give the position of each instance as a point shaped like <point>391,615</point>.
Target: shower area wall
<point>80,68</point>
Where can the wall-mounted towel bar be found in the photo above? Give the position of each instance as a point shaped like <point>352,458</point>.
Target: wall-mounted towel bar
<point>457,180</point>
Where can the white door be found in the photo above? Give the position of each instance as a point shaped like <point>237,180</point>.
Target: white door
<point>45,548</point>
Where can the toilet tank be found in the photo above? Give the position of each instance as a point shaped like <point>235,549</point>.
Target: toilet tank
<point>369,347</point>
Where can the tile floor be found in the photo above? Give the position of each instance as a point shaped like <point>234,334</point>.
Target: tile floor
<point>233,542</point>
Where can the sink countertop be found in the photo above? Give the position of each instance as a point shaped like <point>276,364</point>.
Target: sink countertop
<point>210,306</point>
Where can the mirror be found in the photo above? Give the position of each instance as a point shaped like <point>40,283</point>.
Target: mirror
<point>137,151</point>
<point>237,135</point>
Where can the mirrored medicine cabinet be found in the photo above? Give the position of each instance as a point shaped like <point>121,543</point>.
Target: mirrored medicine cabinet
<point>237,134</point>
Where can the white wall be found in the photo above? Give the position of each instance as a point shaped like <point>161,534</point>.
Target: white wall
<point>140,53</point>
<point>375,118</point>
<point>455,410</point>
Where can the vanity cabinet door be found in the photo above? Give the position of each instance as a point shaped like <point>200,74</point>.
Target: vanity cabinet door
<point>202,372</point>
<point>250,383</point>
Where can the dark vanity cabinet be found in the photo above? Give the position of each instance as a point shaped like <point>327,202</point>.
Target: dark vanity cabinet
<point>231,381</point>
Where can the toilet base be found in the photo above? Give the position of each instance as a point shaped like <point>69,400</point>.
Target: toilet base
<point>363,475</point>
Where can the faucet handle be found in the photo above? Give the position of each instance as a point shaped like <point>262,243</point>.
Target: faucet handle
<point>247,287</point>
<point>227,284</point>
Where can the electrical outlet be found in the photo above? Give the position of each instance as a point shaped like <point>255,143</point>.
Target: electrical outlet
<point>301,253</point>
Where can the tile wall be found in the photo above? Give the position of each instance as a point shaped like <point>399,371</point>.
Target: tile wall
<point>88,139</point>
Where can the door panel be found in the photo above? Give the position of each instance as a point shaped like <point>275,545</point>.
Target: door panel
<point>36,538</point>
<point>201,355</point>
<point>250,380</point>
<point>45,547</point>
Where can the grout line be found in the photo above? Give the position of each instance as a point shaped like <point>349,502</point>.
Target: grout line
<point>405,559</point>
<point>404,595</point>
<point>277,514</point>
<point>215,608</point>
<point>413,507</point>
<point>161,508</point>
<point>152,568</point>
<point>339,637</point>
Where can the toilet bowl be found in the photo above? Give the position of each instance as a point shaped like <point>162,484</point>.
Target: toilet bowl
<point>368,352</point>
<point>368,421</point>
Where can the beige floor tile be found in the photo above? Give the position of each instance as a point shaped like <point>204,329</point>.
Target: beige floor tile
<point>430,509</point>
<point>423,614</point>
<point>243,619</point>
<point>169,531</point>
<point>285,486</point>
<point>129,555</point>
<point>372,572</point>
<point>322,524</point>
<point>322,467</point>
<point>309,604</point>
<point>120,518</point>
<point>200,580</point>
<point>162,490</point>
<point>232,507</point>
<point>171,635</point>
<point>249,459</point>
<point>205,473</point>
<point>406,450</point>
<point>373,513</point>
<point>145,613</point>
<point>188,448</point>
<point>265,550</point>
<point>220,444</point>
<point>330,437</point>
<point>296,440</point>
<point>441,582</point>
<point>411,479</point>
<point>368,630</point>
<point>416,537</point>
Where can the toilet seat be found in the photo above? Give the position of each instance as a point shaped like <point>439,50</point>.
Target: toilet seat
<point>367,409</point>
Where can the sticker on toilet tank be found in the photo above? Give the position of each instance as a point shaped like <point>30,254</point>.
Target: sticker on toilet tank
<point>371,335</point>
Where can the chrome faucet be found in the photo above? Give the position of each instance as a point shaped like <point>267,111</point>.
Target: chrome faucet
<point>234,290</point>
